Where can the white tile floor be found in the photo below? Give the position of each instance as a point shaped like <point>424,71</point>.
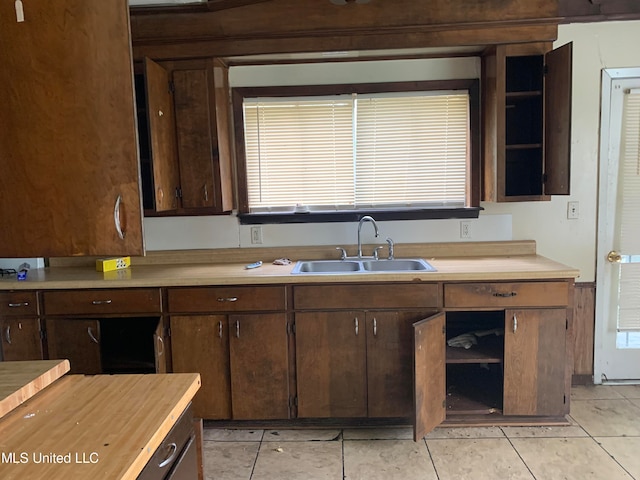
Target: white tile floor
<point>603,443</point>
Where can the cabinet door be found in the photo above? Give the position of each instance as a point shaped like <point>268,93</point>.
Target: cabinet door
<point>331,364</point>
<point>201,344</point>
<point>390,363</point>
<point>68,141</point>
<point>77,340</point>
<point>534,362</point>
<point>259,366</point>
<point>21,339</point>
<point>557,138</point>
<point>162,137</point>
<point>429,371</point>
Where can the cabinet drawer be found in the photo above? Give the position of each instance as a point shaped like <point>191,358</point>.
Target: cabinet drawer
<point>525,294</point>
<point>83,302</point>
<point>18,303</point>
<point>367,296</point>
<point>170,450</point>
<point>226,299</point>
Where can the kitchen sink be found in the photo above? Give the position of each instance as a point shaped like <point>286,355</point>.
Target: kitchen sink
<point>362,266</point>
<point>327,266</point>
<point>397,265</point>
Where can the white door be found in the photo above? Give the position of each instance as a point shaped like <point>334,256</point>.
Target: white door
<point>617,335</point>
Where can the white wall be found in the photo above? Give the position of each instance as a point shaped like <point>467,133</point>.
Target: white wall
<point>573,242</point>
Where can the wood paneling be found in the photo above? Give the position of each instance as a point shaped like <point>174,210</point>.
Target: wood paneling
<point>583,327</point>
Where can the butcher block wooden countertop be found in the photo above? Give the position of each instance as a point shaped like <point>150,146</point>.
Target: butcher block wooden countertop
<point>515,260</point>
<point>92,427</point>
<point>19,381</point>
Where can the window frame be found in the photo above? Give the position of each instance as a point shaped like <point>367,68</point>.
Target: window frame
<point>473,185</point>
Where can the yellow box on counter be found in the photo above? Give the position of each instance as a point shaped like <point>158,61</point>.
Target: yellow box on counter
<point>109,264</point>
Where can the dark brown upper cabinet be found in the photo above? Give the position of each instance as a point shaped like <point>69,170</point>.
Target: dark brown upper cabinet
<point>161,156</point>
<point>183,117</point>
<point>526,122</point>
<point>68,145</point>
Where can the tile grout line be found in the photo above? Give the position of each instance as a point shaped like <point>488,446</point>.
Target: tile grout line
<point>435,469</point>
<point>255,460</point>
<point>517,453</point>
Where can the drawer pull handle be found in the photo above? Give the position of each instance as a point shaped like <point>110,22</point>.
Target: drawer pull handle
<point>173,449</point>
<point>505,295</point>
<point>160,346</point>
<point>101,302</point>
<point>91,336</point>
<point>375,326</point>
<point>220,329</point>
<point>237,328</point>
<point>17,305</point>
<point>515,323</point>
<point>7,334</point>
<point>356,325</point>
<point>228,299</point>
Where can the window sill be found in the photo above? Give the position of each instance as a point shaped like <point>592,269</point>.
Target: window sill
<point>356,215</point>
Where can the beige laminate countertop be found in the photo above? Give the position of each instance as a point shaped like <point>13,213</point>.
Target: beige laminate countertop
<point>487,268</point>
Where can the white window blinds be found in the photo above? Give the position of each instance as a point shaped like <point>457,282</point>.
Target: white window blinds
<point>383,150</point>
<point>629,219</point>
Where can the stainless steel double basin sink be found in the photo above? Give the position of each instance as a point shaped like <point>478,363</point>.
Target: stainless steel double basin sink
<point>351,266</point>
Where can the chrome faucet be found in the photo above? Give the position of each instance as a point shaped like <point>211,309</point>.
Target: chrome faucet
<point>366,218</point>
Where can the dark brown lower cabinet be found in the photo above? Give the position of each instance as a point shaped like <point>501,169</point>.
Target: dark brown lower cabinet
<point>361,364</point>
<point>534,362</point>
<point>331,364</point>
<point>259,366</point>
<point>177,456</point>
<point>200,343</point>
<point>21,339</point>
<point>108,345</point>
<point>77,340</point>
<point>242,360</point>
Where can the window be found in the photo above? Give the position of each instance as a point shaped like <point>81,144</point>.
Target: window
<point>410,147</point>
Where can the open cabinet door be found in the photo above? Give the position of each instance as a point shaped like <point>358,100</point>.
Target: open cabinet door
<point>162,137</point>
<point>557,120</point>
<point>429,372</point>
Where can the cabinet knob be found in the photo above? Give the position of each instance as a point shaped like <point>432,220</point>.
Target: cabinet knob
<point>515,323</point>
<point>228,299</point>
<point>505,294</point>
<point>101,302</point>
<point>355,322</point>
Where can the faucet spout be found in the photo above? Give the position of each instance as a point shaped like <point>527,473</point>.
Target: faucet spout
<point>366,218</point>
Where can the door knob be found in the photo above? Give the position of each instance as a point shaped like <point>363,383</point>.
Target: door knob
<point>614,257</point>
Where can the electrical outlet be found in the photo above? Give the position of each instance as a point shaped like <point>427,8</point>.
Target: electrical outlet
<point>573,210</point>
<point>256,235</point>
<point>465,229</point>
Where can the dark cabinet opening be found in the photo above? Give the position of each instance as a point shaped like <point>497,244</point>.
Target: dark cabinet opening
<point>127,345</point>
<point>474,374</point>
